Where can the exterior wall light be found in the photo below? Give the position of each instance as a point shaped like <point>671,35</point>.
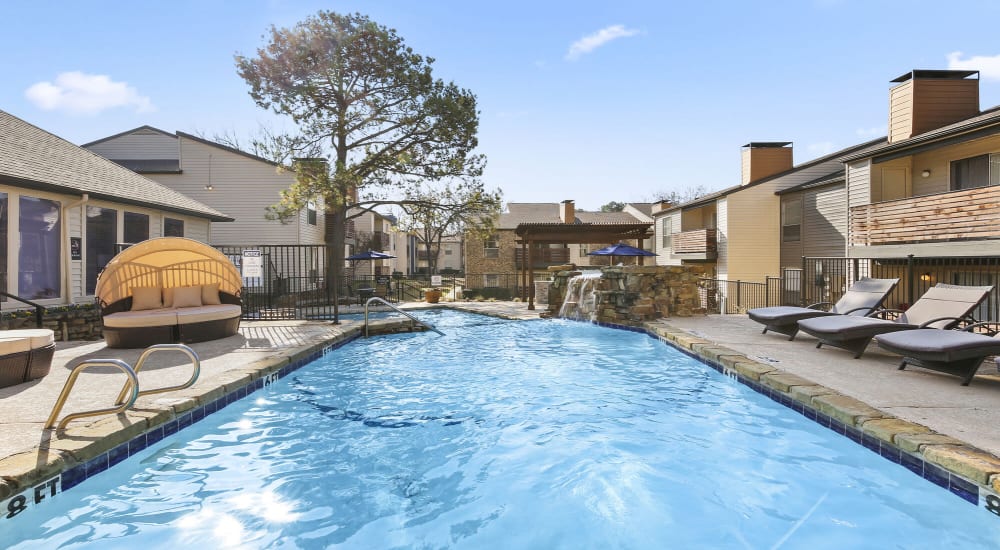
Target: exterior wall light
<point>925,277</point>
<point>925,174</point>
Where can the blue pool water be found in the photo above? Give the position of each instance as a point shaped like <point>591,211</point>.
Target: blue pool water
<point>505,435</point>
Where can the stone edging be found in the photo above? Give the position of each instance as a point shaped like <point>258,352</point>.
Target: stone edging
<point>83,446</point>
<point>964,470</point>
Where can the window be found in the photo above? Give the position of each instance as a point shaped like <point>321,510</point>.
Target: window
<point>3,242</point>
<point>173,227</point>
<point>491,280</point>
<point>447,252</point>
<point>970,172</point>
<point>491,247</point>
<point>39,266</point>
<point>311,212</point>
<point>102,228</point>
<point>791,220</point>
<point>136,228</point>
<point>584,249</point>
<point>666,230</point>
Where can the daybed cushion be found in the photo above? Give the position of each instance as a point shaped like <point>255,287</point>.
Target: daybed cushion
<point>9,345</point>
<point>940,345</point>
<point>187,296</point>
<point>39,337</point>
<point>208,313</point>
<point>210,295</point>
<point>136,319</point>
<point>146,297</point>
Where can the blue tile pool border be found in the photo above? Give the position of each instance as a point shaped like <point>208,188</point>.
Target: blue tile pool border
<point>965,489</point>
<point>75,475</point>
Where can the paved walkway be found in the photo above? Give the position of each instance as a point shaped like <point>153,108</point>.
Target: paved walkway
<point>29,454</point>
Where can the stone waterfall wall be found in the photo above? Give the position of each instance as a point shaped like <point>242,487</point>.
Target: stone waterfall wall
<point>634,294</point>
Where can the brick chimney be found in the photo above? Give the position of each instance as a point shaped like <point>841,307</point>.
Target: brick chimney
<point>567,211</point>
<point>661,206</point>
<point>925,100</point>
<point>765,158</point>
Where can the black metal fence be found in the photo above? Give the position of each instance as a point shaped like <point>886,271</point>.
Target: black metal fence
<point>825,279</point>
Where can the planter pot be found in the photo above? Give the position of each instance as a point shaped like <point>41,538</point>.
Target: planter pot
<point>432,296</point>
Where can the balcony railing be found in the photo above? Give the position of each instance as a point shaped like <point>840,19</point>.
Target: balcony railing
<point>696,244</point>
<point>959,215</point>
<point>541,257</point>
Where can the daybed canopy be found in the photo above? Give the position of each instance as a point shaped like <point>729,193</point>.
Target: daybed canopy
<point>166,262</point>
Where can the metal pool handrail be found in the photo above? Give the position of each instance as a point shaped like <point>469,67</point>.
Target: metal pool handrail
<point>195,364</point>
<point>133,382</point>
<point>377,299</point>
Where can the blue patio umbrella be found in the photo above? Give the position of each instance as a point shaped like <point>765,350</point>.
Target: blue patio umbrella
<point>621,249</point>
<point>370,255</point>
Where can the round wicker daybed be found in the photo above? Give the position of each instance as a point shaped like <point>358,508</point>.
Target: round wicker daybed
<point>169,290</point>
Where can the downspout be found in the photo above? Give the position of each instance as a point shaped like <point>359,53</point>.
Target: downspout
<point>68,275</point>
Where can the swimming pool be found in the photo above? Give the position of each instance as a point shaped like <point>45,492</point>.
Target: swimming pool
<point>502,435</point>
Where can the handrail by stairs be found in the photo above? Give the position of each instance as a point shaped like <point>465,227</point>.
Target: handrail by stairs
<point>39,309</point>
<point>130,391</point>
<point>418,321</point>
<point>133,382</point>
<point>195,363</point>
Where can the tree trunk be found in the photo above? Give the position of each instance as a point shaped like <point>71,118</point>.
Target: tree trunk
<point>335,236</point>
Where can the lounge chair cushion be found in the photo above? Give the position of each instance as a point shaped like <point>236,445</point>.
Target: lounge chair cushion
<point>38,337</point>
<point>137,319</point>
<point>9,345</point>
<point>208,313</point>
<point>785,314</point>
<point>940,345</point>
<point>846,327</point>
<point>187,296</point>
<point>210,295</point>
<point>146,297</point>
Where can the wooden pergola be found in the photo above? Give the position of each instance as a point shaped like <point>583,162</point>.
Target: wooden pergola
<point>529,234</point>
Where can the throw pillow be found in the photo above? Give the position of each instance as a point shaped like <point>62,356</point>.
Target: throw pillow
<point>168,297</point>
<point>187,296</point>
<point>146,297</point>
<point>210,295</point>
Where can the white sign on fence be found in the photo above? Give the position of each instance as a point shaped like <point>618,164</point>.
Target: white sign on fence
<point>435,280</point>
<point>253,264</point>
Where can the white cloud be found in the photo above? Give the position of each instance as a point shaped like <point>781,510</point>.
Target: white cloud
<point>595,40</point>
<point>988,67</point>
<point>872,133</point>
<point>86,94</point>
<point>821,148</point>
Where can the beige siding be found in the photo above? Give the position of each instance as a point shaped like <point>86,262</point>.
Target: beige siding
<point>859,183</point>
<point>901,111</point>
<point>141,145</point>
<point>824,221</point>
<point>938,161</point>
<point>753,240</point>
<point>74,217</point>
<point>242,188</point>
<point>722,239</point>
<point>663,254</point>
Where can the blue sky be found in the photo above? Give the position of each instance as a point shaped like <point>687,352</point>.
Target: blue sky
<point>585,100</point>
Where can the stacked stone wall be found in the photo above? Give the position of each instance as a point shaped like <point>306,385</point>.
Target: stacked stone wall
<point>634,294</point>
<point>74,322</point>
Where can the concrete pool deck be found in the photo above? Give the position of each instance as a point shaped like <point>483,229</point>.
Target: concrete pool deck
<point>919,411</point>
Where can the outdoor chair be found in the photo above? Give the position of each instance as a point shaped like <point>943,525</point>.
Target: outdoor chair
<point>943,306</point>
<point>25,355</point>
<point>958,352</point>
<point>864,297</point>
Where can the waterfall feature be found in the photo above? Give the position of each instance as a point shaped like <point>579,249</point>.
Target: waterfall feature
<point>581,297</point>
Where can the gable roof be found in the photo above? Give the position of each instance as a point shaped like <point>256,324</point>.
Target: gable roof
<point>827,179</point>
<point>35,159</point>
<point>234,150</point>
<point>548,213</point>
<point>143,128</point>
<point>835,156</point>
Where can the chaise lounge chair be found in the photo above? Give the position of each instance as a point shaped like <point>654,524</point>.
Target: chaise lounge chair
<point>957,352</point>
<point>864,297</point>
<point>942,306</point>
